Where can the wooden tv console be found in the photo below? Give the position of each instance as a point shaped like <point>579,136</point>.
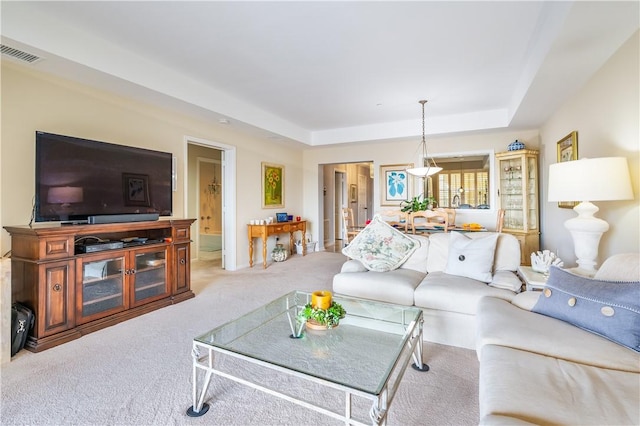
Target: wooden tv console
<point>77,290</point>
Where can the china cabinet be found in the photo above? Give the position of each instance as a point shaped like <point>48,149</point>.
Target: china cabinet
<point>74,291</point>
<point>518,195</point>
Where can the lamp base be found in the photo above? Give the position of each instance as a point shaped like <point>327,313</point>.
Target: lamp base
<point>586,231</point>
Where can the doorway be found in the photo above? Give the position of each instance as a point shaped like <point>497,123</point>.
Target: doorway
<point>344,185</point>
<point>209,189</point>
<point>210,242</point>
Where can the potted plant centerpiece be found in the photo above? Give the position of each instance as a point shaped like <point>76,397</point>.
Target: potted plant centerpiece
<point>418,203</point>
<point>323,312</point>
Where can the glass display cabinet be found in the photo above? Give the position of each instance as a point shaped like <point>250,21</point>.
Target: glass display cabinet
<point>518,194</point>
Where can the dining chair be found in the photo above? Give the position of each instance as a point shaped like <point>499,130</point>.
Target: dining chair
<point>426,225</point>
<point>348,224</point>
<point>396,218</point>
<point>451,213</point>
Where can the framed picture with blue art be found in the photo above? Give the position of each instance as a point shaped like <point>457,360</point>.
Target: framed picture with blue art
<point>395,184</point>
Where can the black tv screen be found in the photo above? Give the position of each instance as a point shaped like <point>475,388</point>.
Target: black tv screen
<point>78,178</point>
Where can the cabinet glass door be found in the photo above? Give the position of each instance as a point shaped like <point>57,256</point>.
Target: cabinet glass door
<point>512,193</point>
<point>102,287</point>
<point>150,276</point>
<point>532,193</point>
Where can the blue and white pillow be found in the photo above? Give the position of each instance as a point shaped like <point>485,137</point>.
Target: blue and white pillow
<point>610,309</point>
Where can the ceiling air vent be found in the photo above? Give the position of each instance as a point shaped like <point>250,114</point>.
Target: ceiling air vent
<point>19,54</point>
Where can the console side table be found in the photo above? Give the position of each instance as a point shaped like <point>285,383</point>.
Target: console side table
<point>533,280</point>
<point>265,231</point>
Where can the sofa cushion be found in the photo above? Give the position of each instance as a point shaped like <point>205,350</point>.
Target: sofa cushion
<point>608,308</point>
<point>395,286</point>
<point>548,391</point>
<point>502,323</point>
<point>471,257</point>
<point>507,254</point>
<point>380,247</point>
<point>506,280</point>
<point>620,267</point>
<point>445,292</point>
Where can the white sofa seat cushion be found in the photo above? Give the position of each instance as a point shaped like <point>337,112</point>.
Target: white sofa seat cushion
<point>453,293</point>
<point>502,323</point>
<point>546,390</point>
<point>395,286</point>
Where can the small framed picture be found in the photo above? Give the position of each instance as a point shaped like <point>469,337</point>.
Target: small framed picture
<point>394,184</point>
<point>568,151</point>
<point>282,217</point>
<point>135,189</point>
<point>272,186</point>
<point>353,193</point>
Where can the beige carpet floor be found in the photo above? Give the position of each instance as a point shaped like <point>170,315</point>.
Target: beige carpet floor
<point>139,372</point>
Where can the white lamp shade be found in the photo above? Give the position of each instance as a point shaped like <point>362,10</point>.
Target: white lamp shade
<point>590,179</point>
<point>423,171</point>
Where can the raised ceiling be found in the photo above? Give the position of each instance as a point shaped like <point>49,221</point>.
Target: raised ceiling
<point>331,72</point>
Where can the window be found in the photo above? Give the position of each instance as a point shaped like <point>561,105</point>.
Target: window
<point>463,182</point>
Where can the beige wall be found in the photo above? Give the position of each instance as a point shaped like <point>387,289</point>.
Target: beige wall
<point>33,101</point>
<point>605,112</point>
<point>606,115</point>
<point>402,151</point>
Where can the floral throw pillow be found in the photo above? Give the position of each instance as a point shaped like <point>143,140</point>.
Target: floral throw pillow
<point>380,247</point>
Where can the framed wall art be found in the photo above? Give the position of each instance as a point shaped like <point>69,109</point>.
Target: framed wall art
<point>568,151</point>
<point>353,193</point>
<point>135,189</point>
<point>272,186</point>
<point>395,184</point>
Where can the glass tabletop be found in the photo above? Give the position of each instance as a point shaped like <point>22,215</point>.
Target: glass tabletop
<point>361,352</point>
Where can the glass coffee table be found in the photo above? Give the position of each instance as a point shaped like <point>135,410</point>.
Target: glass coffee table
<point>365,356</point>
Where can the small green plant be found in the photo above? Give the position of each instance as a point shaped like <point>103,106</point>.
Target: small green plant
<point>329,317</point>
<point>418,203</point>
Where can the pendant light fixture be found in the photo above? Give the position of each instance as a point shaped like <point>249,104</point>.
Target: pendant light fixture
<point>429,165</point>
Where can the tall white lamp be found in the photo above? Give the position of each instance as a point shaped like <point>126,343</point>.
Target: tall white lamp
<point>586,180</point>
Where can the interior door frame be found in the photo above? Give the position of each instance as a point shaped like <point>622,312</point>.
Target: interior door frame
<point>229,184</point>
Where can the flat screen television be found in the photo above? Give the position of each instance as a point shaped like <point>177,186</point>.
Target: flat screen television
<point>79,179</point>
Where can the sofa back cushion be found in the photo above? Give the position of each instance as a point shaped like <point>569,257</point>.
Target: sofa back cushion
<point>620,267</point>
<point>506,257</point>
<point>418,260</point>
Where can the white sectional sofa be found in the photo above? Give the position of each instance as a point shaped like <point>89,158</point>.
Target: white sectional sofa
<point>537,369</point>
<point>426,278</point>
<point>558,356</point>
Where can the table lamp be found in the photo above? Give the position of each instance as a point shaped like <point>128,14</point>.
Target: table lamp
<point>586,180</point>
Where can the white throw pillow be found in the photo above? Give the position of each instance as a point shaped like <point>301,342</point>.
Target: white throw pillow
<point>380,247</point>
<point>507,280</point>
<point>471,257</point>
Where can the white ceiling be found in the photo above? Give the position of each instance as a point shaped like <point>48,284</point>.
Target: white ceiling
<point>331,72</point>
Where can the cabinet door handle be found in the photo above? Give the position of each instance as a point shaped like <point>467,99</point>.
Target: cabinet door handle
<point>182,261</point>
<point>57,287</point>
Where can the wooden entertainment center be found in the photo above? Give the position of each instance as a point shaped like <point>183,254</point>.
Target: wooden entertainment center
<point>80,278</point>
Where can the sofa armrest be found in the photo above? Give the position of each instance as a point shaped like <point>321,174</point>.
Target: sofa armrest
<point>353,266</point>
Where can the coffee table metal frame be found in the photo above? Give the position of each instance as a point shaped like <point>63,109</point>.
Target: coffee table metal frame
<point>411,348</point>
